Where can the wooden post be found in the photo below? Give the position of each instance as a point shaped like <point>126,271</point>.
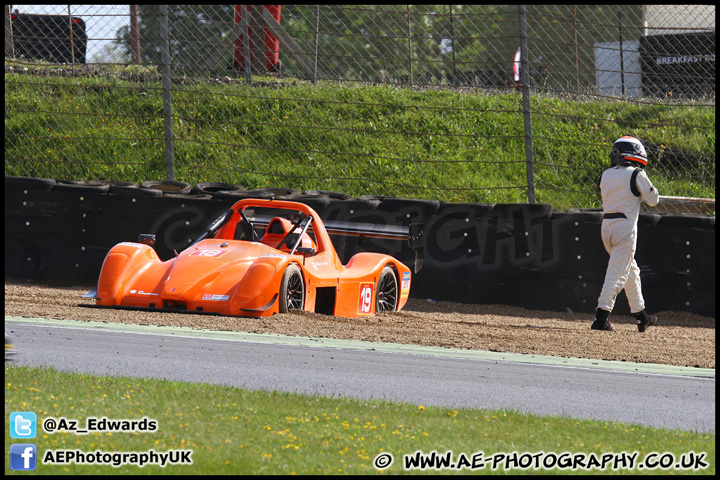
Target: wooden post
<point>72,40</point>
<point>409,32</point>
<point>134,35</point>
<point>257,38</point>
<point>246,44</point>
<point>316,34</point>
<point>9,49</point>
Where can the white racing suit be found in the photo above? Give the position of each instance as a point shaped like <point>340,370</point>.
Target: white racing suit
<point>622,192</point>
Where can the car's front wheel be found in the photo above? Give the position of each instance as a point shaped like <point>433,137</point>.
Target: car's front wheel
<point>387,291</point>
<point>292,290</point>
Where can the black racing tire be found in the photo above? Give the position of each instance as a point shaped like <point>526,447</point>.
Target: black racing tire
<point>212,188</point>
<point>81,186</point>
<point>471,210</point>
<point>194,196</point>
<point>316,202</point>
<point>374,200</point>
<point>329,193</point>
<point>292,290</point>
<point>135,191</point>
<point>410,208</point>
<point>30,183</point>
<point>168,186</point>
<point>648,218</point>
<point>121,186</point>
<point>283,193</point>
<point>121,183</point>
<point>386,295</point>
<point>536,211</point>
<point>704,222</point>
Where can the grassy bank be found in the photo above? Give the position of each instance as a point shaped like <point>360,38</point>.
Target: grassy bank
<point>413,143</point>
<point>235,431</point>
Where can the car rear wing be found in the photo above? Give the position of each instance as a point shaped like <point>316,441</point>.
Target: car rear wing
<point>412,233</point>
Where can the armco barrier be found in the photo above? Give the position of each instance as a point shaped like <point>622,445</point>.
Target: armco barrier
<point>515,254</point>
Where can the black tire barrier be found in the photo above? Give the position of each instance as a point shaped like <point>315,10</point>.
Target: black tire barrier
<point>212,188</point>
<point>508,255</point>
<point>330,194</point>
<point>705,222</point>
<point>582,210</point>
<point>648,219</point>
<point>135,191</point>
<point>81,186</point>
<point>115,185</point>
<point>317,202</point>
<point>168,186</point>
<point>24,260</point>
<point>593,217</point>
<point>235,195</point>
<point>473,210</point>
<point>347,210</point>
<point>535,210</point>
<point>407,211</point>
<point>643,218</point>
<point>196,196</point>
<point>30,183</point>
<point>283,193</point>
<point>265,193</point>
<point>374,200</point>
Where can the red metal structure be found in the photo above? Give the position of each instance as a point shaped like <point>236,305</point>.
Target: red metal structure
<point>272,45</point>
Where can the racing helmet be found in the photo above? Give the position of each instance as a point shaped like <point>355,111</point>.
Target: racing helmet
<point>628,151</point>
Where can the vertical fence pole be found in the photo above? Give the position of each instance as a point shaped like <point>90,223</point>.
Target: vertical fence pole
<point>166,92</point>
<point>410,44</point>
<point>525,79</point>
<point>134,35</point>
<point>9,50</point>
<point>577,64</point>
<point>452,38</point>
<point>622,63</point>
<point>246,44</point>
<point>72,40</point>
<point>257,38</point>
<point>316,34</point>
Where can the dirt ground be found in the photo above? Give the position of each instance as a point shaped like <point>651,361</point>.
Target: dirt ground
<point>681,339</point>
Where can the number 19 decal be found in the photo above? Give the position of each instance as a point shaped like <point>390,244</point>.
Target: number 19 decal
<point>366,297</point>
<point>209,252</point>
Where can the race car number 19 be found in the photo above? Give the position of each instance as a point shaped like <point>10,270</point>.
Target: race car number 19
<point>366,297</point>
<point>209,252</point>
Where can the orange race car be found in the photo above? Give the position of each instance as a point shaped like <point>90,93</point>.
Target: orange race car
<point>231,269</point>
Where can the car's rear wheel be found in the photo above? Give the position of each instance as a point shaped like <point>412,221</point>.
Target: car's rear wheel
<point>386,299</point>
<point>292,290</point>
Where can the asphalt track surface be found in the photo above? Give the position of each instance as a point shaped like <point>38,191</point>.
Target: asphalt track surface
<point>647,394</point>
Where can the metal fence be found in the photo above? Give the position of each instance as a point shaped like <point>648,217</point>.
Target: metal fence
<point>480,103</point>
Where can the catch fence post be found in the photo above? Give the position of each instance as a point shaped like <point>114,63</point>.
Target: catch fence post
<point>525,79</point>
<point>166,92</point>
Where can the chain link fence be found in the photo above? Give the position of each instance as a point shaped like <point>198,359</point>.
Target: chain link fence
<point>461,103</point>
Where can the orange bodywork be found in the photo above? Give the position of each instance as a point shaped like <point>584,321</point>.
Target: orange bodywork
<point>243,277</point>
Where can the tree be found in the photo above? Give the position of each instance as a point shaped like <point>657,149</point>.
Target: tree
<point>195,31</point>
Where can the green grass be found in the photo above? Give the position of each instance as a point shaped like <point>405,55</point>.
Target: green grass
<point>357,139</point>
<point>235,431</point>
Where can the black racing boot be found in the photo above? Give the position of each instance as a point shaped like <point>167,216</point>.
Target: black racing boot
<point>644,320</point>
<point>601,321</point>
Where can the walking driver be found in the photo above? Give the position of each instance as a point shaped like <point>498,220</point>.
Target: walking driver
<point>623,187</point>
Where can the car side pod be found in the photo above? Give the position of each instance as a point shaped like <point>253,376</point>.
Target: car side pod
<point>145,239</point>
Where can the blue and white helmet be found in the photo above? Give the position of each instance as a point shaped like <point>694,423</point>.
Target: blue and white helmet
<point>629,151</point>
